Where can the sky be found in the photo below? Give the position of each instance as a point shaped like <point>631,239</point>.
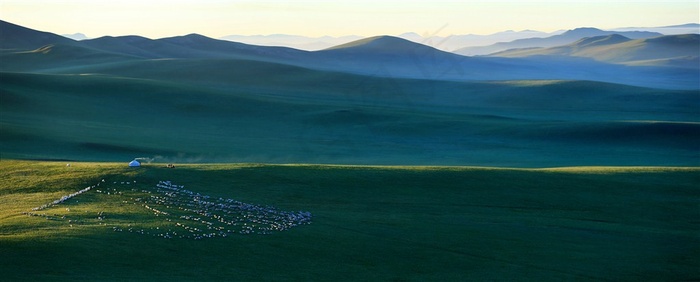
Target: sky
<point>217,18</point>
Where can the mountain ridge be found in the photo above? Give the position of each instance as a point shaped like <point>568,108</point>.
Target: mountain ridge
<point>386,56</point>
<point>22,39</point>
<point>620,49</point>
<point>380,43</point>
<point>567,37</point>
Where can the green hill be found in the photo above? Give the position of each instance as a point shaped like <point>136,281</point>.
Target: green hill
<point>239,116</point>
<point>300,202</point>
<point>195,99</point>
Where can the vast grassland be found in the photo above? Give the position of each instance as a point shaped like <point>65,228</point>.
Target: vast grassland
<point>231,112</point>
<point>369,223</point>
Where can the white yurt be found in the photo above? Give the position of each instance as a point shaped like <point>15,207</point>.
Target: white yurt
<point>134,163</point>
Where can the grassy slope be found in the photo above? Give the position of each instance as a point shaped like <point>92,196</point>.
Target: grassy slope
<point>618,50</point>
<point>240,115</point>
<point>51,57</point>
<point>371,223</point>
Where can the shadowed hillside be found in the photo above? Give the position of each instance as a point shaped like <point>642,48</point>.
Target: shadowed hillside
<point>345,119</point>
<point>567,37</point>
<point>188,46</point>
<point>377,56</point>
<point>59,58</point>
<point>683,49</point>
<point>16,37</point>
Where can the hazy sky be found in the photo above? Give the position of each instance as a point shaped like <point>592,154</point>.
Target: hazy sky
<point>216,18</point>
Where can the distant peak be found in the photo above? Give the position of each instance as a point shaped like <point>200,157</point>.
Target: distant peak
<point>125,38</point>
<point>601,40</point>
<point>194,35</point>
<point>583,30</point>
<point>76,36</point>
<point>616,37</point>
<point>192,38</point>
<point>373,42</point>
<point>387,38</point>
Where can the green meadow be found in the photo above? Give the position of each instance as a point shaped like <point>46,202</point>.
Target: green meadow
<point>380,160</point>
<point>237,114</point>
<point>369,223</point>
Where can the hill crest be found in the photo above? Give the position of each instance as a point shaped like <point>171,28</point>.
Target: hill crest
<point>21,38</point>
<point>379,43</point>
<point>567,37</point>
<point>600,40</point>
<point>668,50</point>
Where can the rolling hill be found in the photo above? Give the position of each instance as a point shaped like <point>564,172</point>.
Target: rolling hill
<point>292,41</point>
<point>188,46</point>
<point>619,49</point>
<point>384,56</point>
<point>394,57</point>
<point>445,43</point>
<point>344,119</point>
<point>58,58</point>
<point>453,42</point>
<point>353,162</point>
<point>567,37</point>
<point>15,37</point>
<point>381,100</point>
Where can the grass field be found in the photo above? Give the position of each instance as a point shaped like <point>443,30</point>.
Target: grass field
<point>369,223</point>
<point>232,113</point>
<point>607,157</point>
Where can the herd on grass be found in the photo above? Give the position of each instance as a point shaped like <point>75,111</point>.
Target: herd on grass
<point>176,213</point>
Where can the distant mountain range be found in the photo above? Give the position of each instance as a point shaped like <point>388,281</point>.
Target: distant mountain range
<point>457,41</point>
<point>292,41</point>
<point>551,41</point>
<point>453,42</point>
<point>384,56</point>
<point>465,44</point>
<point>690,28</point>
<point>445,43</point>
<point>667,50</point>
